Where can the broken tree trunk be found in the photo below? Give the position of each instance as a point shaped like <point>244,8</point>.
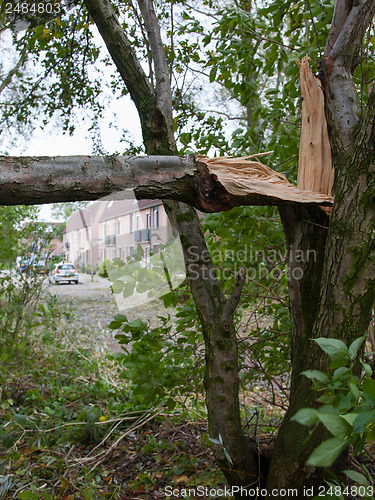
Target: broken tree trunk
<point>315,170</point>
<point>208,184</point>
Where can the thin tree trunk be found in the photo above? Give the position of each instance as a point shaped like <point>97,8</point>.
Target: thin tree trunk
<point>216,313</point>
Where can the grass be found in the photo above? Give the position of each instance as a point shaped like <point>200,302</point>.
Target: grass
<point>68,428</point>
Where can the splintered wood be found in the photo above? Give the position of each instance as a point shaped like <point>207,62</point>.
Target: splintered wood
<point>315,171</point>
<point>248,176</point>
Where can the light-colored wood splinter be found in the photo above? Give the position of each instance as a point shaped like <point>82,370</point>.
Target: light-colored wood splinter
<point>315,170</point>
<point>247,175</point>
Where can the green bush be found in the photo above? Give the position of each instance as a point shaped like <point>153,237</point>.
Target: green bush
<point>347,400</point>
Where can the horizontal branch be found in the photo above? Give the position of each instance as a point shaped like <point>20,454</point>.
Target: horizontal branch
<point>210,185</point>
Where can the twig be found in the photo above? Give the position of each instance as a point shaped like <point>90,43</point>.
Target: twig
<point>100,457</point>
<point>369,453</point>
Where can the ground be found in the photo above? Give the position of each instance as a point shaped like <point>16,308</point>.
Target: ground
<point>94,305</point>
<point>69,428</point>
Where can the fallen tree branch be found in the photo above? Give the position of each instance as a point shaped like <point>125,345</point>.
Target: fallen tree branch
<point>210,185</point>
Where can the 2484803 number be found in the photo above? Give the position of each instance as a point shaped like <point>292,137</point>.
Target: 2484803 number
<point>33,7</point>
<point>336,491</point>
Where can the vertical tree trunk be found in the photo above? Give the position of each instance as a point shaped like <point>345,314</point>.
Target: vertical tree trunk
<point>216,313</point>
<point>221,355</point>
<point>306,232</point>
<point>345,268</point>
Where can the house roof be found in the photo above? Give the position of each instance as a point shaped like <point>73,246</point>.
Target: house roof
<point>110,209</point>
<point>116,208</point>
<point>83,217</point>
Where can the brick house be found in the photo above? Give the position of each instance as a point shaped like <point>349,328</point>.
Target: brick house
<point>115,228</point>
<point>81,235</point>
<point>125,224</point>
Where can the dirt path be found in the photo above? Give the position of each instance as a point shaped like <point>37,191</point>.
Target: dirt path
<point>94,306</point>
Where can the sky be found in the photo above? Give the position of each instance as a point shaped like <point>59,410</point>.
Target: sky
<point>51,142</point>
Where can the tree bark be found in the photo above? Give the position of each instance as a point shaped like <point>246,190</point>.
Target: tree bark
<point>221,355</point>
<point>306,233</point>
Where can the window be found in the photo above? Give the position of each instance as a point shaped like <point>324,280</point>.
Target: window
<point>132,218</point>
<point>148,220</point>
<point>138,222</point>
<point>156,217</point>
<point>103,229</point>
<point>118,226</point>
<point>66,267</point>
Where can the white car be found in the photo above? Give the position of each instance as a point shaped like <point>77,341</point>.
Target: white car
<point>63,272</point>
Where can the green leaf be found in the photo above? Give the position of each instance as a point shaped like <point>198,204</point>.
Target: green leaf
<point>338,374</point>
<point>117,286</point>
<point>350,417</point>
<point>354,389</point>
<point>227,456</point>
<point>118,262</point>
<point>334,423</point>
<point>316,375</point>
<point>115,325</point>
<point>327,452</point>
<point>368,388</point>
<point>367,368</point>
<point>306,416</point>
<point>137,324</point>
<point>357,477</point>
<point>335,348</point>
<point>185,138</point>
<point>215,441</point>
<point>353,348</point>
<point>366,416</point>
<point>120,317</point>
